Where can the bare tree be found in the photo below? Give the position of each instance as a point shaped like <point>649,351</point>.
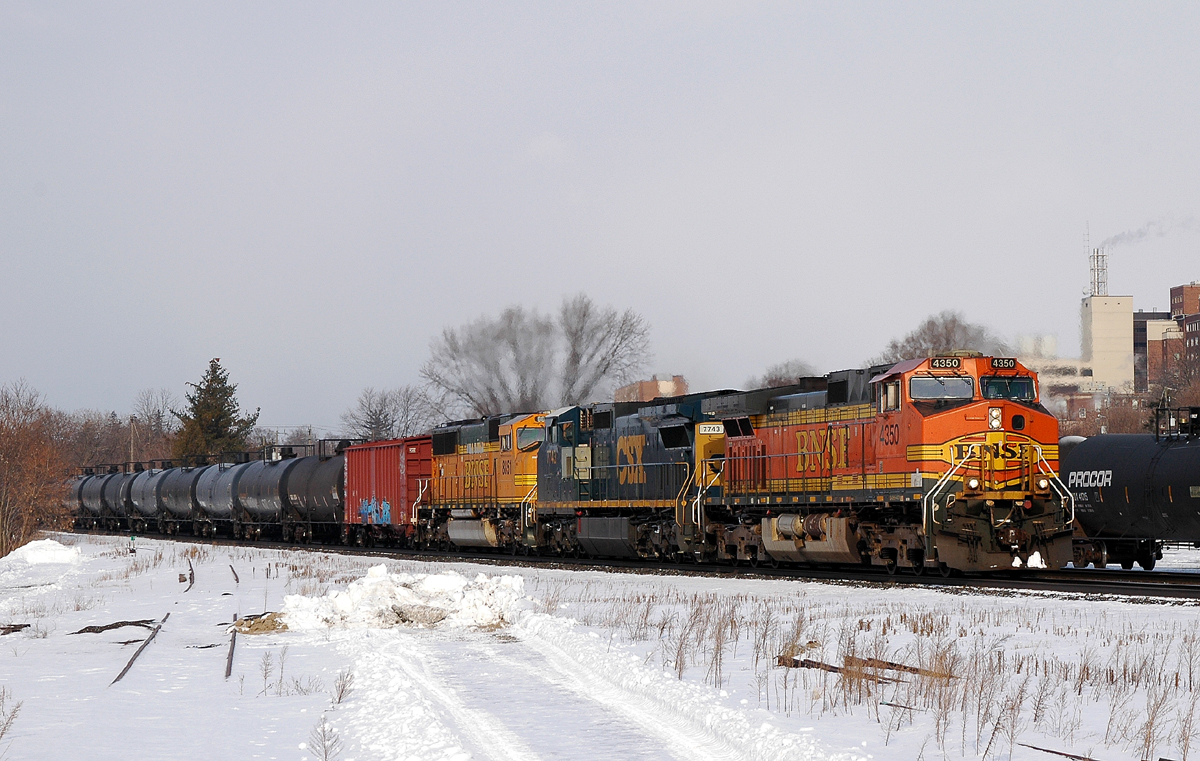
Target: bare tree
<point>33,470</point>
<point>523,361</point>
<point>782,374</point>
<point>96,438</point>
<point>153,424</point>
<point>385,414</point>
<point>153,409</point>
<point>600,344</point>
<point>497,365</point>
<point>299,435</point>
<point>947,331</point>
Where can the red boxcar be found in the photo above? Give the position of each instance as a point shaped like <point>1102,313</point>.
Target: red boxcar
<point>385,480</point>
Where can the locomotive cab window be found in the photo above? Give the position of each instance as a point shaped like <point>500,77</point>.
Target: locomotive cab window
<point>1020,389</point>
<point>937,387</point>
<point>889,397</point>
<point>528,439</point>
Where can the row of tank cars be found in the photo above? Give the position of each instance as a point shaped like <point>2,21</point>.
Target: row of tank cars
<point>945,464</point>
<point>281,492</point>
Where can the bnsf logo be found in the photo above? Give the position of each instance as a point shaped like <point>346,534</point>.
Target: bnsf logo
<point>1085,479</point>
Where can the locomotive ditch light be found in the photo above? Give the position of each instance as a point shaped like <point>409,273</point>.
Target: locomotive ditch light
<point>973,484</point>
<point>995,418</point>
<point>1043,484</point>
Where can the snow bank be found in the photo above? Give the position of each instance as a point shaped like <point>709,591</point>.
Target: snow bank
<point>43,551</point>
<point>383,599</point>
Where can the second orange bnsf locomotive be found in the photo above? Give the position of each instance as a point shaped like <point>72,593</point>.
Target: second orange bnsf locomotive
<point>943,464</point>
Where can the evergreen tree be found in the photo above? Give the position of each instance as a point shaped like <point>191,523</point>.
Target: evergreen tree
<point>212,422</point>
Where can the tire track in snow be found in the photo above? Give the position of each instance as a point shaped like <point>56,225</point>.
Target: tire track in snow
<point>684,745</point>
<point>403,708</point>
<point>675,711</point>
<point>559,719</point>
<point>629,707</point>
<point>485,731</point>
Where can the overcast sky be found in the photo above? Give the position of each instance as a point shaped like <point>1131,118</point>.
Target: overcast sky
<point>311,192</point>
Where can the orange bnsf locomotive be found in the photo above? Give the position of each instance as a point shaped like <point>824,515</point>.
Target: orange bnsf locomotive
<point>946,464</point>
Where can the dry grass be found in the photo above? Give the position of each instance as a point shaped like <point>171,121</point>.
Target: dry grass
<point>991,673</point>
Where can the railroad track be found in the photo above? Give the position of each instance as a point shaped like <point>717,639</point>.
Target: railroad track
<point>1111,583</point>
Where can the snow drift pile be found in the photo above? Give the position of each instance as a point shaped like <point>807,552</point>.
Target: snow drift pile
<point>41,552</point>
<point>382,599</point>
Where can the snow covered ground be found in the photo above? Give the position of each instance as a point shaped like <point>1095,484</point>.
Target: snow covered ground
<point>401,659</point>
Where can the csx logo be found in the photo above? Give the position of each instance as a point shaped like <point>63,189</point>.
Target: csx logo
<point>1085,479</point>
<point>629,459</point>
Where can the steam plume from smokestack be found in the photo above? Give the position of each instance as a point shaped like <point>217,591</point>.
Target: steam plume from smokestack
<point>1158,228</point>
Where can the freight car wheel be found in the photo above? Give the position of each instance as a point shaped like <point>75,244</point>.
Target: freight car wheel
<point>945,570</point>
<point>1127,565</point>
<point>1147,563</point>
<point>890,565</point>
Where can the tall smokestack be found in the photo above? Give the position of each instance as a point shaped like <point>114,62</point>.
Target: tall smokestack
<point>1099,262</point>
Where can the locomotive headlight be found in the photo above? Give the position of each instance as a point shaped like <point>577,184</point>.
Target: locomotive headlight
<point>1043,484</point>
<point>973,484</point>
<point>995,419</point>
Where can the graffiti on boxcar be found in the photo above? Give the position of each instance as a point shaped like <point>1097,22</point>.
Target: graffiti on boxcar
<point>375,512</point>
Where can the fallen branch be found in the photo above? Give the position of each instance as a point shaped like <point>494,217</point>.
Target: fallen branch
<point>149,639</point>
<point>11,628</point>
<point>191,575</point>
<point>144,623</point>
<point>1058,752</point>
<point>797,663</point>
<point>875,663</point>
<point>236,580</point>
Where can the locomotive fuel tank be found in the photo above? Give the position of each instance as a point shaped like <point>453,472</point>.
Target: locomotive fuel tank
<point>1136,486</point>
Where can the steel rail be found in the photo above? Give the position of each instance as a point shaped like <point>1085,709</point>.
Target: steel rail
<point>1151,585</point>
